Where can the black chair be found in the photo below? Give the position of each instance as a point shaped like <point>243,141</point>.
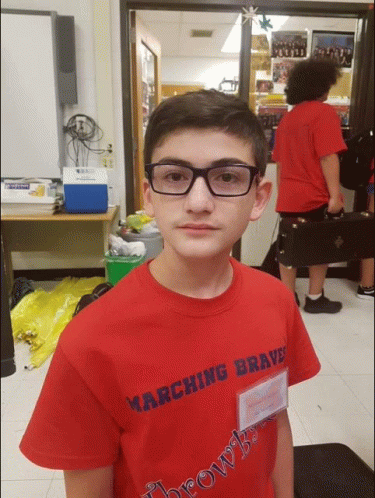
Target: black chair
<point>331,471</point>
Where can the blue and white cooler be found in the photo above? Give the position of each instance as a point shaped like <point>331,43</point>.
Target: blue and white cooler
<point>85,190</point>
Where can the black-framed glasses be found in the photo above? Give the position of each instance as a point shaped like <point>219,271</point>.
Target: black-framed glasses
<point>229,180</point>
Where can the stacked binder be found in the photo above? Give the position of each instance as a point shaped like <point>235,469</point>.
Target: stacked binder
<point>29,197</point>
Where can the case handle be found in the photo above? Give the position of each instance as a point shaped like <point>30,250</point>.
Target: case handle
<point>333,216</point>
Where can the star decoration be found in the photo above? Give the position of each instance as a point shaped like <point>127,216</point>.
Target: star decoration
<point>250,15</point>
<point>265,23</point>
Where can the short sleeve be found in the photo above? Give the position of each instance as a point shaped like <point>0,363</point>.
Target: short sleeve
<point>69,428</point>
<point>326,131</point>
<point>301,358</point>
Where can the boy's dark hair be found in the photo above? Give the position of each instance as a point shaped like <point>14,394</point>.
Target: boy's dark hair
<point>310,79</point>
<point>206,109</point>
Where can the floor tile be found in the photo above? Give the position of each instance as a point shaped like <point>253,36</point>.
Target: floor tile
<point>14,466</point>
<point>363,388</point>
<point>9,387</point>
<point>22,360</point>
<point>348,354</point>
<point>346,341</point>
<point>329,412</point>
<point>57,489</point>
<point>326,367</point>
<point>325,394</point>
<point>355,432</point>
<point>22,406</point>
<point>25,489</point>
<point>300,436</point>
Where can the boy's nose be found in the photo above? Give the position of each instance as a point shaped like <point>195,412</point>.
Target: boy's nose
<point>199,198</point>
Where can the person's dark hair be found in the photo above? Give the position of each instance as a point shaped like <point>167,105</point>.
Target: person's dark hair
<point>206,109</point>
<point>310,79</point>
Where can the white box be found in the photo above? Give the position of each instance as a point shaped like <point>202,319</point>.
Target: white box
<point>32,190</point>
<point>85,176</point>
<point>85,190</point>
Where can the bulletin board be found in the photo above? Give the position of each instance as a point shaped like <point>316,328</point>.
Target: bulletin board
<point>31,115</point>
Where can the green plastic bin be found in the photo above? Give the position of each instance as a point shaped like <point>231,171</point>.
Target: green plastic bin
<point>119,266</point>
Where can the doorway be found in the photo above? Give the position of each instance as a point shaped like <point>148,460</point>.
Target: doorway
<point>248,75</point>
<point>173,53</point>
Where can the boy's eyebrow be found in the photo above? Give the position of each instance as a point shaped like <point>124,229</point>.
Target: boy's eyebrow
<point>225,161</point>
<point>174,160</point>
<point>229,160</point>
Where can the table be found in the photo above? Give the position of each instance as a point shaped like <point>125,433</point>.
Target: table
<point>106,219</point>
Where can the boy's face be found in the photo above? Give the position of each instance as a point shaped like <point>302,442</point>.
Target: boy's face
<point>199,224</point>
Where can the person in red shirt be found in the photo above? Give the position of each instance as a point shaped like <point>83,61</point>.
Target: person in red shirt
<point>307,142</point>
<point>174,383</point>
<point>366,286</point>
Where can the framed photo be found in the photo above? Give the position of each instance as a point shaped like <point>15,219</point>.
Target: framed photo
<point>264,86</point>
<point>335,45</point>
<point>289,44</point>
<point>281,69</point>
<point>343,112</point>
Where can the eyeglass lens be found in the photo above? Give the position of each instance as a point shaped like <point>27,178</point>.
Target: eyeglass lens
<point>223,180</point>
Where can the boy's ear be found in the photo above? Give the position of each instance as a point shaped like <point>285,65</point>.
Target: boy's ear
<point>262,196</point>
<point>148,207</point>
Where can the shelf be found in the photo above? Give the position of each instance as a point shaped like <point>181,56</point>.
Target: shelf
<point>108,216</point>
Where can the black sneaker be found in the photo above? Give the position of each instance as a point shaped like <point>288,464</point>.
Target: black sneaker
<point>322,305</point>
<point>365,293</point>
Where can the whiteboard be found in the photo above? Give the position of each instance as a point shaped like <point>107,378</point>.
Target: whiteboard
<point>31,116</point>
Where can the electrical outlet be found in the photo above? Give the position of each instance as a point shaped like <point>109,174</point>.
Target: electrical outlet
<point>80,126</point>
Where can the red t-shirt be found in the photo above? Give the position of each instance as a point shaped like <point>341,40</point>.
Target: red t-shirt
<point>310,131</point>
<point>146,379</point>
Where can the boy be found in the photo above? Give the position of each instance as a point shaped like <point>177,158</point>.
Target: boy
<point>174,383</point>
<point>308,140</point>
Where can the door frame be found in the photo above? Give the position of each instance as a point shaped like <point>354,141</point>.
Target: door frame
<point>276,7</point>
<point>140,36</point>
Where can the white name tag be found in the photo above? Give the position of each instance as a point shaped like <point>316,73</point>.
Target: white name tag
<point>262,400</point>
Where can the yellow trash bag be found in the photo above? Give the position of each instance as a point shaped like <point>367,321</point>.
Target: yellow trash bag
<point>40,317</point>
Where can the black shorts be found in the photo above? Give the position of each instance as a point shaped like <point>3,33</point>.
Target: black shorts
<point>314,215</point>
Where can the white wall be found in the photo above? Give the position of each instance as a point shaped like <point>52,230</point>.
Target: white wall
<point>119,173</point>
<point>82,10</point>
<point>78,245</point>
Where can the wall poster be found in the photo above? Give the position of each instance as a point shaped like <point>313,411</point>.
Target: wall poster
<point>343,112</point>
<point>289,44</point>
<point>335,45</point>
<point>264,86</point>
<point>281,69</point>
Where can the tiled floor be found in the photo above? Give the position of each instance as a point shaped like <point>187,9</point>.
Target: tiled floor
<point>335,406</point>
